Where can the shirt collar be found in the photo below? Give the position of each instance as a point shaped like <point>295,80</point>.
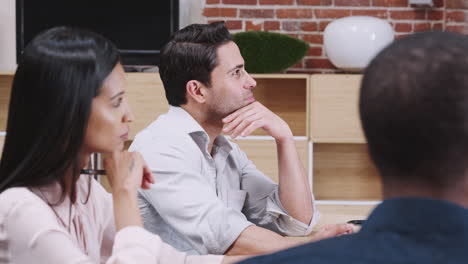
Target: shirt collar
<point>179,116</point>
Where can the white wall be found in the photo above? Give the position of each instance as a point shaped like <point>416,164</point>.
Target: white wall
<point>7,36</point>
<point>190,11</point>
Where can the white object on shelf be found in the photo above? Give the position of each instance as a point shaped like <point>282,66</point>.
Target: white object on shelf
<point>420,2</point>
<point>352,42</point>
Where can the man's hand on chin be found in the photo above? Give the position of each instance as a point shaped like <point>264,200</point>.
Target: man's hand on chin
<point>255,115</point>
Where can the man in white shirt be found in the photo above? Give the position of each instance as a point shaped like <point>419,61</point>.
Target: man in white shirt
<point>209,198</point>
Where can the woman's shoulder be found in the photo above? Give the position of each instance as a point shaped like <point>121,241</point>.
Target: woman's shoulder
<point>17,194</point>
<point>13,198</point>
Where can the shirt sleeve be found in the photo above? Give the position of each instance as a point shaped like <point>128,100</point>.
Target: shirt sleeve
<point>33,235</point>
<point>263,206</point>
<point>187,201</point>
<point>136,245</point>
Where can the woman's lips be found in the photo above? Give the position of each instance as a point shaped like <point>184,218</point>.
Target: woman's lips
<point>124,137</point>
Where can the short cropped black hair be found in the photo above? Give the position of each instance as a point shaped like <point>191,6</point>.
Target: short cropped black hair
<point>414,108</point>
<point>190,55</point>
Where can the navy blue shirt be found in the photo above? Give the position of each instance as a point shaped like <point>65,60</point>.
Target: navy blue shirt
<point>402,230</point>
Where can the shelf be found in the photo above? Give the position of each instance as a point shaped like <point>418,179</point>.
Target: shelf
<point>279,76</point>
<point>263,154</point>
<point>2,141</point>
<point>147,99</point>
<point>286,97</point>
<point>322,111</point>
<point>5,88</point>
<point>344,172</point>
<point>8,73</point>
<point>334,115</point>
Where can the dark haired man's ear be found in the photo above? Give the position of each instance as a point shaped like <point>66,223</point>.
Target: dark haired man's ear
<point>196,91</point>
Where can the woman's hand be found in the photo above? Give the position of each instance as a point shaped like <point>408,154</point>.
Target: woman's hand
<point>127,171</point>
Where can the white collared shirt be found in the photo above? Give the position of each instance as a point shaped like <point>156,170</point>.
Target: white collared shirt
<point>201,203</point>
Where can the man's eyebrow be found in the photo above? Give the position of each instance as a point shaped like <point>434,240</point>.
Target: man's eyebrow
<point>117,95</point>
<point>239,66</point>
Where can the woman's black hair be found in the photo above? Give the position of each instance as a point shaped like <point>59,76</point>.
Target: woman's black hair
<point>59,73</point>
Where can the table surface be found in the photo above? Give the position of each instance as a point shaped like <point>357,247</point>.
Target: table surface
<point>336,214</point>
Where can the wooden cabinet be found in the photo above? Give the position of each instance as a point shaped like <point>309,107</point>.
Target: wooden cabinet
<point>342,169</point>
<point>320,109</point>
<point>334,115</point>
<point>2,139</point>
<point>5,87</point>
<point>147,99</point>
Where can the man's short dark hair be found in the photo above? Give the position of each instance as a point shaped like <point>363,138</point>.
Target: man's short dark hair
<point>190,55</point>
<point>414,109</point>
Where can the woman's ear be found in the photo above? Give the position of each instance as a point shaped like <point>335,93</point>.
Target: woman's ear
<point>196,91</point>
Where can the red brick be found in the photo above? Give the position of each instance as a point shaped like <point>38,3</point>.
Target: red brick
<point>413,14</point>
<point>220,12</point>
<point>332,13</point>
<point>403,27</point>
<point>420,27</point>
<point>323,25</point>
<point>314,51</point>
<point>249,25</point>
<point>457,4</point>
<point>352,2</point>
<point>319,64</point>
<point>276,2</point>
<point>438,3</point>
<point>391,3</point>
<point>456,16</point>
<point>309,26</point>
<point>271,25</point>
<point>438,26</point>
<point>234,24</point>
<point>315,2</point>
<point>380,13</point>
<point>290,26</point>
<point>257,13</point>
<point>313,38</point>
<point>298,65</point>
<point>435,15</point>
<point>463,29</point>
<point>240,2</point>
<point>294,13</point>
<point>210,2</point>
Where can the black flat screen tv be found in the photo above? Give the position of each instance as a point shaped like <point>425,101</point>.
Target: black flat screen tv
<point>138,28</point>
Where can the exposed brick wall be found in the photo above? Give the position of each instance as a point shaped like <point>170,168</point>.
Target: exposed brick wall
<point>307,19</point>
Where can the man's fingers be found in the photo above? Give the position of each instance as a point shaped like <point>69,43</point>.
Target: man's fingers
<point>251,128</point>
<point>235,122</point>
<point>239,130</point>
<point>238,112</point>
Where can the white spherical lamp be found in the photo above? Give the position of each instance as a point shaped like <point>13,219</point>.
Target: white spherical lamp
<point>352,42</point>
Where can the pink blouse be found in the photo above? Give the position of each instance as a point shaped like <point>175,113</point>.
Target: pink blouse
<point>31,231</point>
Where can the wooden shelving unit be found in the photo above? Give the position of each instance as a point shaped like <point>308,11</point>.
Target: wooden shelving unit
<point>341,162</point>
<point>320,109</point>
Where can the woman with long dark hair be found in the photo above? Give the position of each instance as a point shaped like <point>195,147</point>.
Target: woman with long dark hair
<point>67,102</point>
